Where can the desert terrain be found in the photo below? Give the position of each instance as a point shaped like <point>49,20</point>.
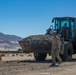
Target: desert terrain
<point>25,64</point>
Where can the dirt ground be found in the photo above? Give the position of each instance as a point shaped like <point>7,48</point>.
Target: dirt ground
<point>32,67</point>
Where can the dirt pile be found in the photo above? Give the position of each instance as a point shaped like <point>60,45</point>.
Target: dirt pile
<point>37,38</point>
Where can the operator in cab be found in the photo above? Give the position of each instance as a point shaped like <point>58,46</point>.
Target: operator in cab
<point>64,32</point>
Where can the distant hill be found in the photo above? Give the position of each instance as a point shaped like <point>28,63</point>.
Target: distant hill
<point>9,42</point>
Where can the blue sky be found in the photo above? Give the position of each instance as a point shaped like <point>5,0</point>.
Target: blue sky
<point>32,17</point>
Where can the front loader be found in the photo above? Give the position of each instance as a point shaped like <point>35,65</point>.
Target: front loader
<point>40,45</point>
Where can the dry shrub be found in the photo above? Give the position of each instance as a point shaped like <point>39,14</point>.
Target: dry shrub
<point>21,55</point>
<point>0,57</point>
<point>30,55</point>
<point>13,55</point>
<point>2,54</point>
<point>17,54</point>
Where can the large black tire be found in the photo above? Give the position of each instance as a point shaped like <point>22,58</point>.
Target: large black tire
<point>40,56</point>
<point>68,51</point>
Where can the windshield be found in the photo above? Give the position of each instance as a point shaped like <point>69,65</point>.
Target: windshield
<point>59,24</point>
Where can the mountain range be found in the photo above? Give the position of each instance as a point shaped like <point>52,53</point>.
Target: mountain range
<point>9,42</point>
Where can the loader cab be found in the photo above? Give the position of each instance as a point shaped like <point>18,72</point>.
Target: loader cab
<point>65,27</point>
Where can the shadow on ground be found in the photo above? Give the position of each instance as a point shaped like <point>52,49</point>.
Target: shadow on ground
<point>34,61</point>
<point>46,61</point>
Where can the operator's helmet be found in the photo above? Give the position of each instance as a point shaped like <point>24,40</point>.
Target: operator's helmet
<point>65,24</point>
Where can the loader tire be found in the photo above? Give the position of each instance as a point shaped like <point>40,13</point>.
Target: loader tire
<point>40,56</point>
<point>68,51</point>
